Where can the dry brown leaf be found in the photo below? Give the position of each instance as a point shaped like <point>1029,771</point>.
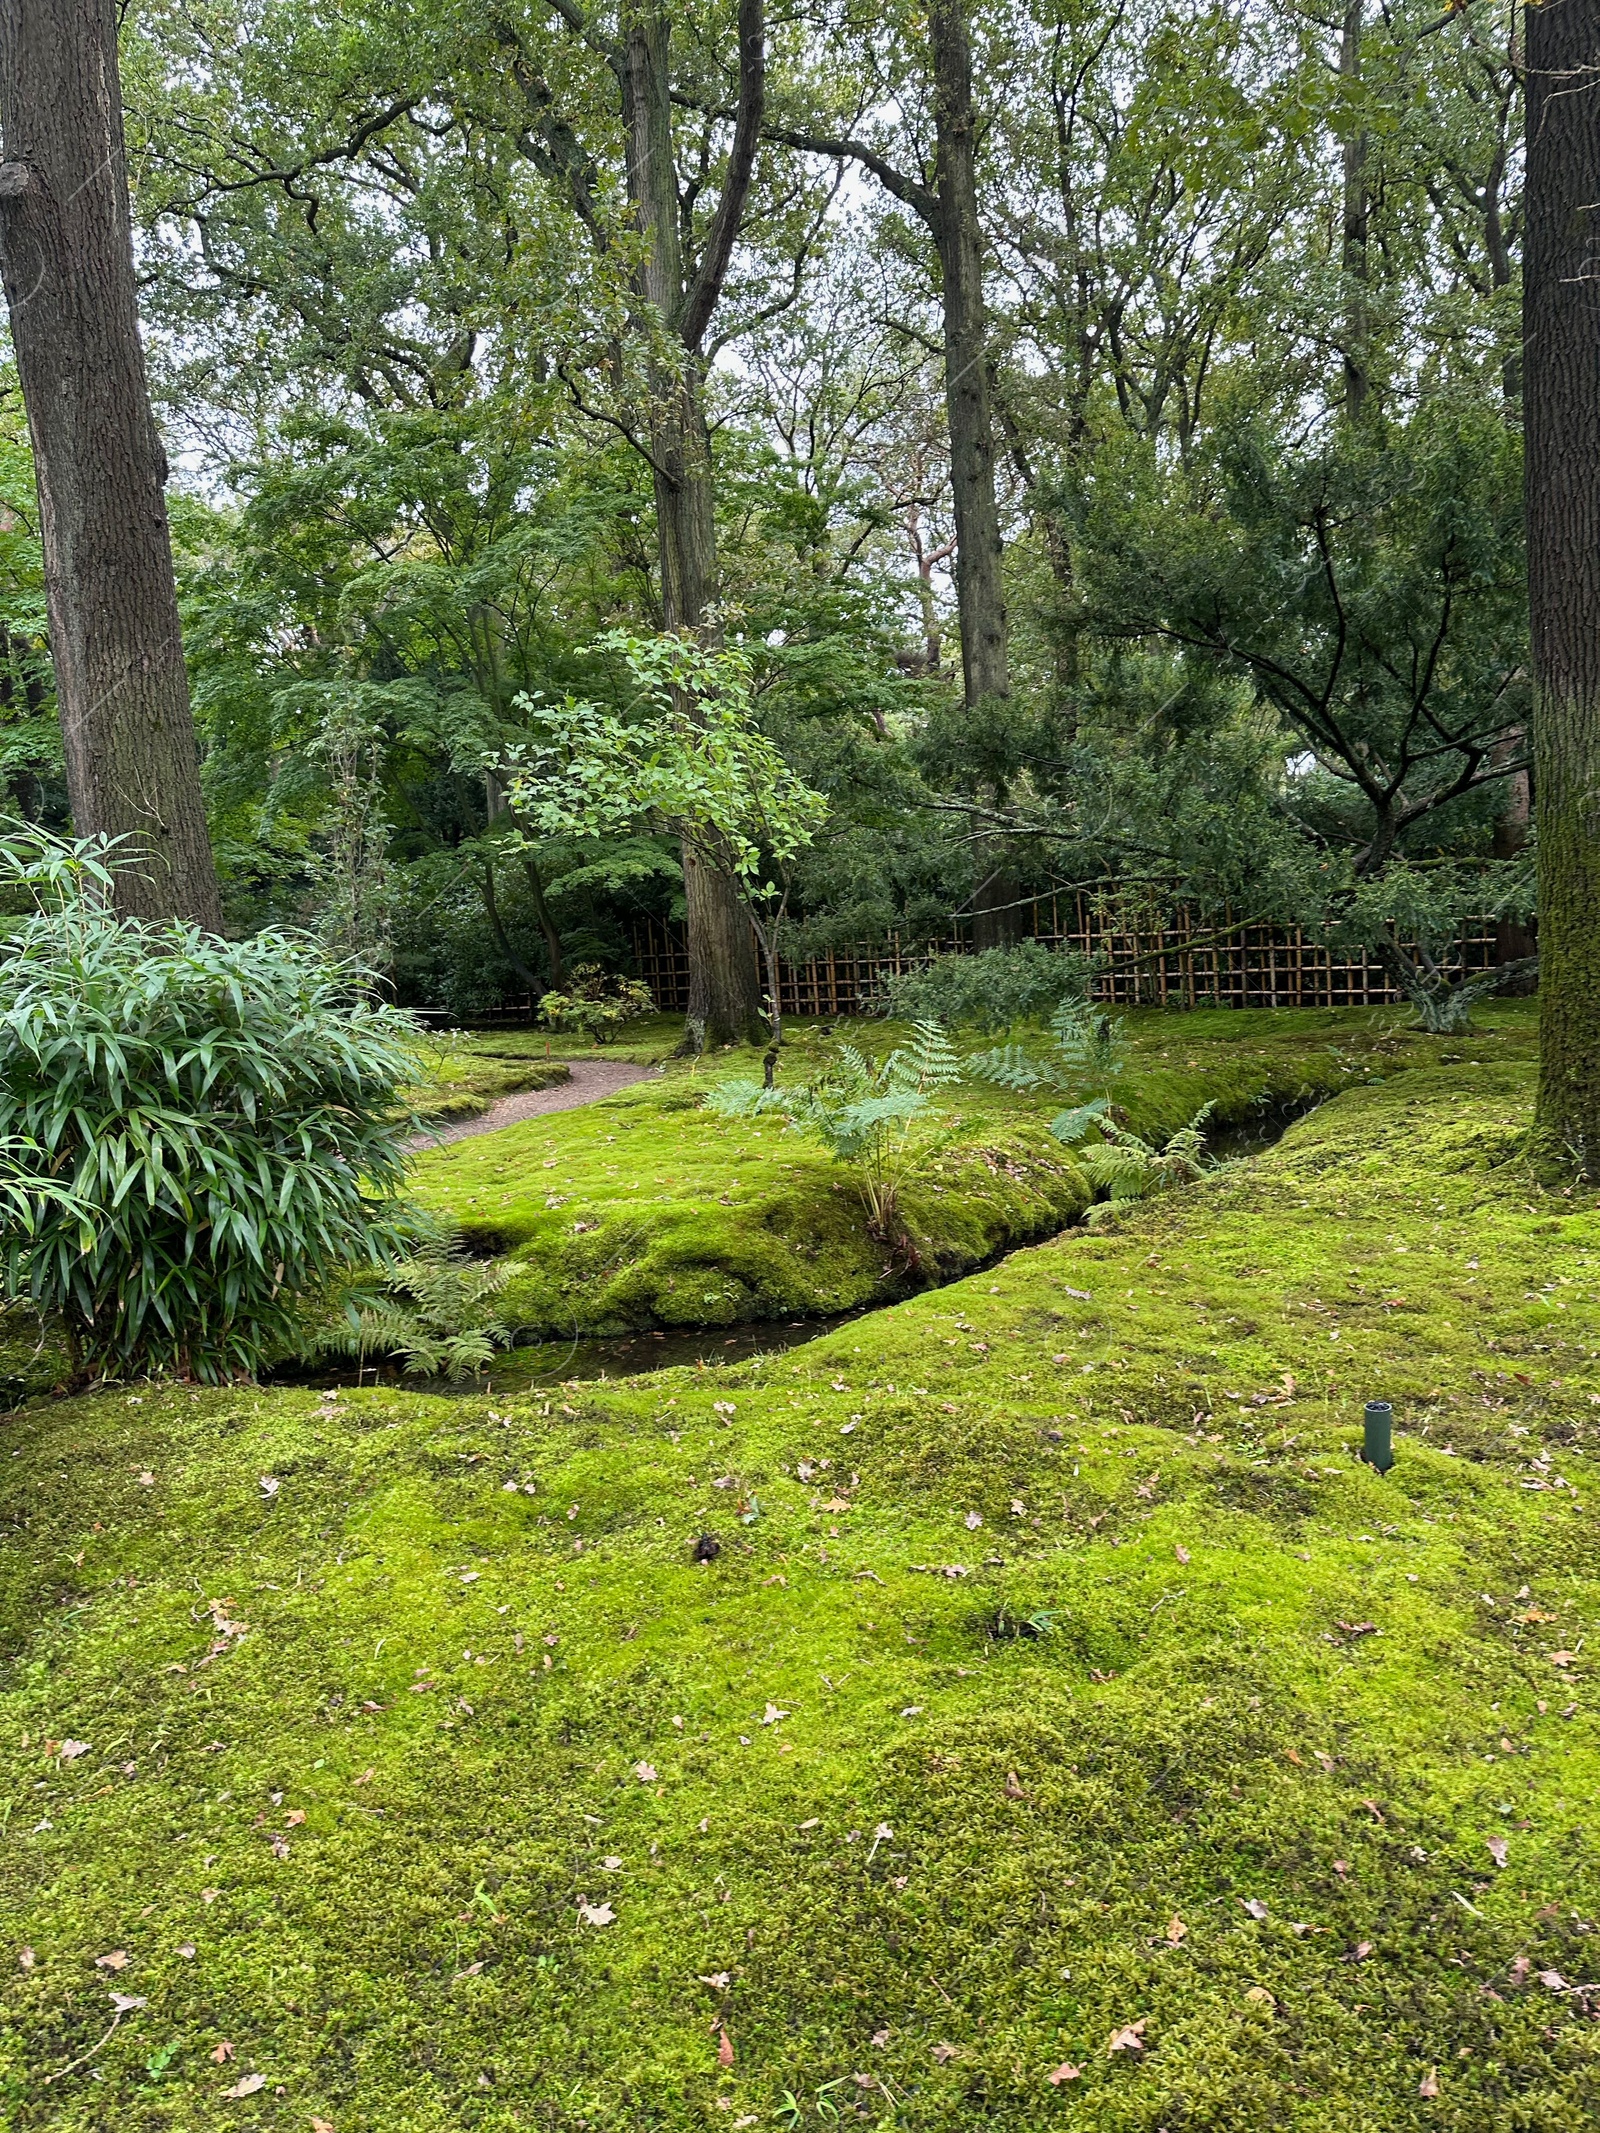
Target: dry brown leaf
<point>725,2050</point>
<point>295,1817</point>
<point>1064,2073</point>
<point>321,2125</point>
<point>1176,1930</point>
<point>944,2052</point>
<point>116,1960</point>
<point>1258,1996</point>
<point>220,2054</point>
<point>1181,1552</point>
<point>26,1959</point>
<point>1429,2084</point>
<point>1498,1850</point>
<point>1130,2038</point>
<point>246,2085</point>
<point>596,1914</point>
<point>1014,1787</point>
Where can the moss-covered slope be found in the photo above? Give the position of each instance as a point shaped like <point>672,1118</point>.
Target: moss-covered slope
<point>422,1766</point>
<point>650,1210</point>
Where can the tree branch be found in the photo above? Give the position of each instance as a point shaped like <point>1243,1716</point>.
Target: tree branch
<point>704,290</point>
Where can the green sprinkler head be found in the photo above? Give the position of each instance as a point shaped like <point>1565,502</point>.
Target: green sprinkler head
<point>1377,1446</point>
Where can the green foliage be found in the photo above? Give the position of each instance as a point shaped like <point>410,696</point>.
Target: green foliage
<point>879,1116</point>
<point>226,1116</point>
<point>1124,1167</point>
<point>436,1316</point>
<point>1089,1046</point>
<point>993,990</point>
<point>596,1002</point>
<point>1415,917</point>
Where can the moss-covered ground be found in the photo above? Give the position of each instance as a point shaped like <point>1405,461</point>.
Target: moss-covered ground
<point>649,1210</point>
<point>1067,1731</point>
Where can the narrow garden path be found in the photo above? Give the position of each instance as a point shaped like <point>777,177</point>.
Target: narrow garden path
<point>591,1081</point>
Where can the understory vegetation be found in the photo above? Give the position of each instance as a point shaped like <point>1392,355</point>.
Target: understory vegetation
<point>653,1209</point>
<point>355,1739</point>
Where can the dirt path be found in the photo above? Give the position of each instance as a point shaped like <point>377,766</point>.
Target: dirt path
<point>592,1080</point>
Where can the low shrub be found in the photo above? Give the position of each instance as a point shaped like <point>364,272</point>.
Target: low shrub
<point>202,1130</point>
<point>595,1002</point>
<point>991,991</point>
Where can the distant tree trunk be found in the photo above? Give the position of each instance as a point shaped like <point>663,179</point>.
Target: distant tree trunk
<point>66,251</point>
<point>1514,940</point>
<point>724,976</point>
<point>1561,399</point>
<point>980,585</point>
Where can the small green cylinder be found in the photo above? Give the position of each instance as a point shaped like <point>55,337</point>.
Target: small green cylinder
<point>1378,1440</point>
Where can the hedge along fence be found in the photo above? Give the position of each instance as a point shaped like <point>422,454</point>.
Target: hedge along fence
<point>1190,963</point>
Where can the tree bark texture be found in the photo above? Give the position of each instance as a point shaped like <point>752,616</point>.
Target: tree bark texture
<point>66,250</point>
<point>980,591</point>
<point>724,974</point>
<point>1561,399</point>
<point>980,586</point>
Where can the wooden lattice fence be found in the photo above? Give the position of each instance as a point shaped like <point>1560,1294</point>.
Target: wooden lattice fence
<point>1188,963</point>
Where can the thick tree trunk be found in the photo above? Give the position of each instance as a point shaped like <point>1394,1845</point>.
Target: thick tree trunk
<point>1561,399</point>
<point>724,977</point>
<point>980,587</point>
<point>132,761</point>
<point>980,592</point>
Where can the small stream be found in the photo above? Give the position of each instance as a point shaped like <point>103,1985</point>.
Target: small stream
<point>550,1364</point>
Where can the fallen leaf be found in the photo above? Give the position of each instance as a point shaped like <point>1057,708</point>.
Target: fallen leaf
<point>280,1847</point>
<point>209,1895</point>
<point>1065,2073</point>
<point>880,2038</point>
<point>270,1485</point>
<point>718,1980</point>
<point>912,1710</point>
<point>1498,1849</point>
<point>147,1481</point>
<point>295,1817</point>
<point>1563,1658</point>
<point>321,2125</point>
<point>944,2052</point>
<point>772,1714</point>
<point>186,1949</point>
<point>70,1750</point>
<point>220,2054</point>
<point>246,2085</point>
<point>1341,1867</point>
<point>365,1778</point>
<point>1130,2039</point>
<point>1552,1981</point>
<point>1293,1756</point>
<point>1181,1553</point>
<point>596,1914</point>
<point>124,2003</point>
<point>1258,1996</point>
<point>116,1960</point>
<point>1363,1950</point>
<point>973,1521</point>
<point>1015,1790</point>
<point>1254,1905</point>
<point>1176,1931</point>
<point>1323,1757</point>
<point>1429,2084</point>
<point>725,2050</point>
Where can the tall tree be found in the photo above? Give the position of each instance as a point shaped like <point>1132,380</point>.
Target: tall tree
<point>1561,398</point>
<point>677,292</point>
<point>67,257</point>
<point>945,200</point>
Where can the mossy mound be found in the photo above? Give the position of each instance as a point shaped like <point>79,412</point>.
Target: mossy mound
<point>648,1210</point>
<point>1067,1728</point>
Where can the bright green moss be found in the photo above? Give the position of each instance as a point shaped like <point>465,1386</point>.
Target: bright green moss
<point>650,1210</point>
<point>951,1836</point>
